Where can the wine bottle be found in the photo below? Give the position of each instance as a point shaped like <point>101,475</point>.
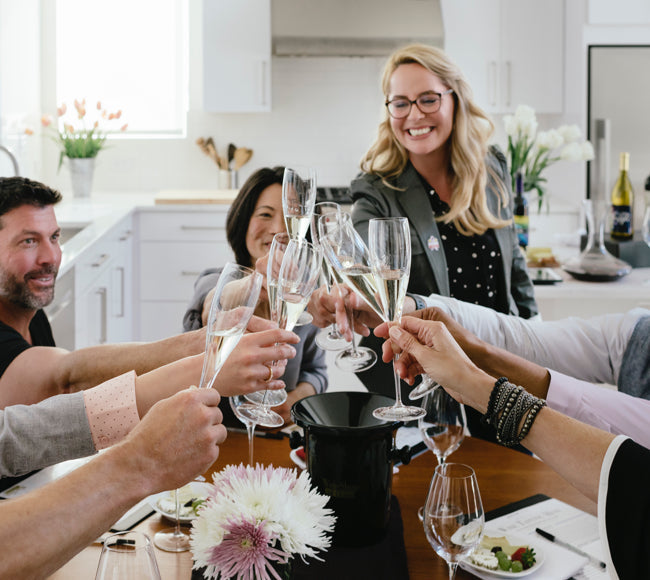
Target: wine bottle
<point>622,202</point>
<point>521,211</point>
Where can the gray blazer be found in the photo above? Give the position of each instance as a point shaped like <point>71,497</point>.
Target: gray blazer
<point>372,199</point>
<point>36,436</point>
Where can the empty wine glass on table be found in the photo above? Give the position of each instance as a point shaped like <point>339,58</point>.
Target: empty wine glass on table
<point>453,513</point>
<point>329,338</point>
<point>348,258</point>
<point>233,303</point>
<point>127,555</point>
<point>298,199</point>
<point>296,282</point>
<point>443,425</point>
<point>389,242</point>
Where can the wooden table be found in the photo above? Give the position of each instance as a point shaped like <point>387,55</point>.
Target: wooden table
<point>503,476</point>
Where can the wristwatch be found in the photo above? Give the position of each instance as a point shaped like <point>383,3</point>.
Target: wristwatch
<point>420,304</point>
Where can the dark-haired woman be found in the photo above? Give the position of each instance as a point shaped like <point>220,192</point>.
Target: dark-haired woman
<point>253,219</point>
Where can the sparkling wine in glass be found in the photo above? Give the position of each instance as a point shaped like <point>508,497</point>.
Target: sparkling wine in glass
<point>298,199</point>
<point>233,303</point>
<point>296,282</point>
<point>389,242</point>
<point>453,517</point>
<point>348,258</point>
<point>276,255</point>
<point>329,338</point>
<point>127,555</point>
<point>443,426</point>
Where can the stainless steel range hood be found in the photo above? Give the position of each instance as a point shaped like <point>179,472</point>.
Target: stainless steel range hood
<point>353,27</point>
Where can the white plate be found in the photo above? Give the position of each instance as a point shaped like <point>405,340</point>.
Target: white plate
<point>514,540</point>
<point>199,490</point>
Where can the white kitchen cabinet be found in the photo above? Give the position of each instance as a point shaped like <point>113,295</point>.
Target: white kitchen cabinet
<point>237,56</point>
<point>103,288</point>
<point>174,247</point>
<point>511,51</point>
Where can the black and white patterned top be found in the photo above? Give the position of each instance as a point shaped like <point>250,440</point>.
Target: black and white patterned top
<point>474,264</point>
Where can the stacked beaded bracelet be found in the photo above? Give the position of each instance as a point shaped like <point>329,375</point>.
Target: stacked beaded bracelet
<point>508,406</point>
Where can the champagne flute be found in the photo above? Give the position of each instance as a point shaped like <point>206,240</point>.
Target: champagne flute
<point>235,402</point>
<point>273,266</point>
<point>349,263</point>
<point>296,282</point>
<point>233,303</point>
<point>329,338</point>
<point>453,513</point>
<point>298,199</point>
<point>443,426</point>
<point>390,253</point>
<point>127,555</point>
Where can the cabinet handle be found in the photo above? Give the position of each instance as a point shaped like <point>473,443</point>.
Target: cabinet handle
<point>126,236</point>
<point>195,228</point>
<point>101,260</point>
<point>119,272</point>
<point>189,273</point>
<point>508,82</point>
<point>263,77</point>
<point>492,81</point>
<point>103,320</point>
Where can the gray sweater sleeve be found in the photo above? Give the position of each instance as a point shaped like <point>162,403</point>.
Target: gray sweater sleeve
<point>35,436</point>
<point>204,283</point>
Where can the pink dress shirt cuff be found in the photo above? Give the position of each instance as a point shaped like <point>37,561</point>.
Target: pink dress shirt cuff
<point>112,410</point>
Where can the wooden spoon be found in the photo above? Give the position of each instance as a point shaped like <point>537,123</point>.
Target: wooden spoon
<point>231,153</point>
<point>242,156</point>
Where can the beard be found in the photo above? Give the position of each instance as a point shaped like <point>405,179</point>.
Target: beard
<point>18,292</point>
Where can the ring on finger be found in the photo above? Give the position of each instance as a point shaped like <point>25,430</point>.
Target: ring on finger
<point>268,379</point>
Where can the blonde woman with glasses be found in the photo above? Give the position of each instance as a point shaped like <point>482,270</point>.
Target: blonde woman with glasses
<point>431,163</point>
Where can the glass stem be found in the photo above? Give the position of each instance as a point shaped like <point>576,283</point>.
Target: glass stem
<point>452,569</point>
<point>250,429</point>
<point>398,388</point>
<point>350,314</point>
<point>177,530</point>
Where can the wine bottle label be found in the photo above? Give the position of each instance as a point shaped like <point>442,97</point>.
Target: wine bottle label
<point>521,229</point>
<point>622,222</point>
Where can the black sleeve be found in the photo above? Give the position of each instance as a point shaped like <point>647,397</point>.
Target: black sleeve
<point>627,513</point>
<point>11,345</point>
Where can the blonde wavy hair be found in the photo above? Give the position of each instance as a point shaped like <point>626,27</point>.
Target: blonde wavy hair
<point>468,144</point>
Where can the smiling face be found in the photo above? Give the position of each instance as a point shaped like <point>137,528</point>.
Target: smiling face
<point>266,221</point>
<point>30,256</point>
<point>421,134</point>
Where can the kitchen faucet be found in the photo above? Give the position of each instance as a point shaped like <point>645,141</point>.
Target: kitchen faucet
<point>14,162</point>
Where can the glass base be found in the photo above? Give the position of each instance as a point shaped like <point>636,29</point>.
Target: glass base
<point>399,413</point>
<point>304,318</point>
<point>329,339</point>
<point>424,388</point>
<point>260,415</point>
<point>170,540</point>
<point>273,398</point>
<point>356,361</point>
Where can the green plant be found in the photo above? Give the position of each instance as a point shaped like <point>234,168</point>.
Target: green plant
<point>77,140</point>
<point>531,152</point>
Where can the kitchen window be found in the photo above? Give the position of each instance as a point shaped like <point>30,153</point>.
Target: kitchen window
<point>130,55</point>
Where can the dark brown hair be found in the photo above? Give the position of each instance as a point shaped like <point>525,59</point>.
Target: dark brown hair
<point>242,209</point>
<point>18,191</point>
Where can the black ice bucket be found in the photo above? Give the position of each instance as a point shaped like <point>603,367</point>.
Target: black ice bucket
<point>350,457</point>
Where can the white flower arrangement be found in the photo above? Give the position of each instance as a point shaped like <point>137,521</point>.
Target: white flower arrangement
<point>256,518</point>
<point>530,152</point>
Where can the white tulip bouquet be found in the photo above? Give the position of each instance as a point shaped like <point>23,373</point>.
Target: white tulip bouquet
<point>530,152</point>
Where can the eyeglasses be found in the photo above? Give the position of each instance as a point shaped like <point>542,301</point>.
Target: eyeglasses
<point>427,103</point>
